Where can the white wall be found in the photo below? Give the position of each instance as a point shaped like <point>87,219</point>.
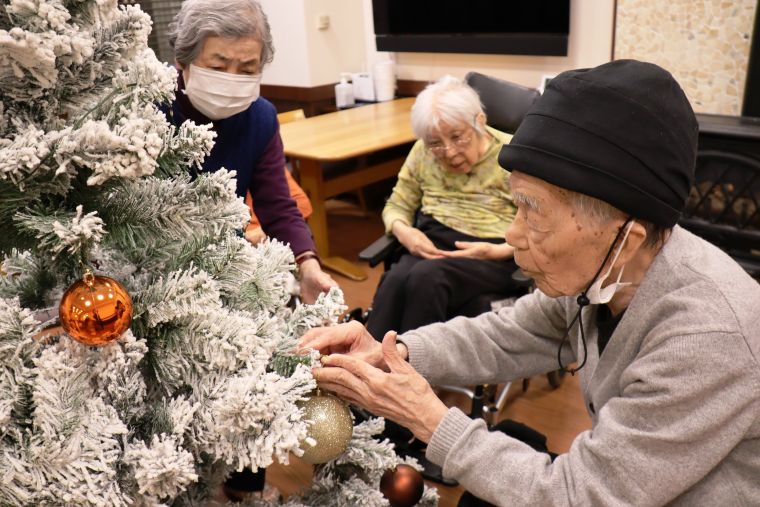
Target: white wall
<point>291,65</point>
<point>306,56</point>
<point>340,48</point>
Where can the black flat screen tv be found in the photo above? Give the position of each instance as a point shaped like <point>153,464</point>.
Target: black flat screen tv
<point>515,27</point>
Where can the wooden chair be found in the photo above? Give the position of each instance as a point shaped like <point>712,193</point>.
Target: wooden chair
<point>289,116</point>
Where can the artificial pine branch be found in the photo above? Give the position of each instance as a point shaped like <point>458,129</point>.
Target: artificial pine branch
<point>28,278</point>
<point>204,382</point>
<point>155,213</point>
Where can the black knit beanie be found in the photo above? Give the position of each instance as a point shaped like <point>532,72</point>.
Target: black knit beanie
<point>623,132</point>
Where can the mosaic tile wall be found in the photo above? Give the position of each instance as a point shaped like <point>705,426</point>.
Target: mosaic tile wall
<point>703,43</point>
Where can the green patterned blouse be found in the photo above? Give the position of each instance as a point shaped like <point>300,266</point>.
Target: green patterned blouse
<point>478,203</point>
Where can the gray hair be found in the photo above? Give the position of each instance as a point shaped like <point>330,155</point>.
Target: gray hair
<point>198,19</point>
<point>600,212</point>
<point>593,209</point>
<point>448,101</point>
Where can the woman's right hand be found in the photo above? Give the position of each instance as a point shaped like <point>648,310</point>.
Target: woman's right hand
<point>351,339</point>
<point>415,241</point>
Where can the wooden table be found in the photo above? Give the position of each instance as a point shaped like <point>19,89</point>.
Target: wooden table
<point>347,134</point>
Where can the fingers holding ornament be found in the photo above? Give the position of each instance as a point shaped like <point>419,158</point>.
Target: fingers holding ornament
<point>403,395</point>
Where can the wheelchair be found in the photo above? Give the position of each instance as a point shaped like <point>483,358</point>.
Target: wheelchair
<point>505,105</point>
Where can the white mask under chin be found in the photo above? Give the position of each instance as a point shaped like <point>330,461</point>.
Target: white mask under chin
<point>596,294</point>
<point>219,95</point>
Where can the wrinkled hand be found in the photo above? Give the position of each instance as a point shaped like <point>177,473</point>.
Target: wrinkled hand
<point>415,241</point>
<point>401,394</point>
<point>314,281</point>
<point>255,235</point>
<point>481,250</point>
<point>351,339</point>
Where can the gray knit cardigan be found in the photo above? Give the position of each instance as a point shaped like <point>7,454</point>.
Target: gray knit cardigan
<point>675,395</point>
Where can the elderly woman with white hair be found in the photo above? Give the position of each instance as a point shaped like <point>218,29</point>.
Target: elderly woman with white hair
<point>449,209</point>
<point>221,48</point>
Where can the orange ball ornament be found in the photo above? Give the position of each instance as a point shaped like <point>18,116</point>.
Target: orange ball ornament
<point>402,486</point>
<point>95,310</point>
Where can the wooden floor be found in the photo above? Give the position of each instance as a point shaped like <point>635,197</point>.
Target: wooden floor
<point>557,413</point>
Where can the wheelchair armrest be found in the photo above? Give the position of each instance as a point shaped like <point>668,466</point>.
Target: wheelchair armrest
<point>379,250</point>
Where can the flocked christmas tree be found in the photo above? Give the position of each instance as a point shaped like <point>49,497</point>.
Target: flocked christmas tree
<point>203,381</point>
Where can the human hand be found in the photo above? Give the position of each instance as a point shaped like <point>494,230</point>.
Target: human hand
<point>401,394</point>
<point>350,338</point>
<point>255,235</point>
<point>415,241</point>
<point>481,250</point>
<point>314,281</point>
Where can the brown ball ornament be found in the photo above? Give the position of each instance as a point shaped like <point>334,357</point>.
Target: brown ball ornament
<point>95,310</point>
<point>331,426</point>
<point>402,487</point>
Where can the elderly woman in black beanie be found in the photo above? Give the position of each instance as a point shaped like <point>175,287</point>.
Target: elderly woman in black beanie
<point>663,327</point>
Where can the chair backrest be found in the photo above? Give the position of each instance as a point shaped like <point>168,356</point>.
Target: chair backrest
<point>505,103</point>
<point>289,116</point>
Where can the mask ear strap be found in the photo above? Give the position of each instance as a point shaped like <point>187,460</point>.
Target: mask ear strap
<point>583,301</point>
<point>627,230</point>
<point>601,267</point>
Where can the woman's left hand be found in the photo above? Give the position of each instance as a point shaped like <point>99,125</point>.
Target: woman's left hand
<point>255,235</point>
<point>401,395</point>
<point>314,281</point>
<point>481,250</point>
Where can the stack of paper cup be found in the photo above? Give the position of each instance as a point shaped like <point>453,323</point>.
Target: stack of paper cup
<point>384,75</point>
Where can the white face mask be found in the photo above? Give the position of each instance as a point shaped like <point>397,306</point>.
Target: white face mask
<point>219,95</point>
<point>598,295</point>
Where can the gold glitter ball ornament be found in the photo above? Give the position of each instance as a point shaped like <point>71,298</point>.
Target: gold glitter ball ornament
<point>95,310</point>
<point>330,425</point>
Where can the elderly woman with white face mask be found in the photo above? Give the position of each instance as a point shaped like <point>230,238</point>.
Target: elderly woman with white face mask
<point>221,48</point>
<point>662,326</point>
<point>449,209</point>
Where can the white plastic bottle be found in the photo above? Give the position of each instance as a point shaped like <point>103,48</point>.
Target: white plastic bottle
<point>344,92</point>
<point>384,76</point>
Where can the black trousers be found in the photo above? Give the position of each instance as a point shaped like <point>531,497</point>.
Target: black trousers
<point>416,291</point>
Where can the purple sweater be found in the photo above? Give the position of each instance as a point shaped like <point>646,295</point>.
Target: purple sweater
<point>250,143</point>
